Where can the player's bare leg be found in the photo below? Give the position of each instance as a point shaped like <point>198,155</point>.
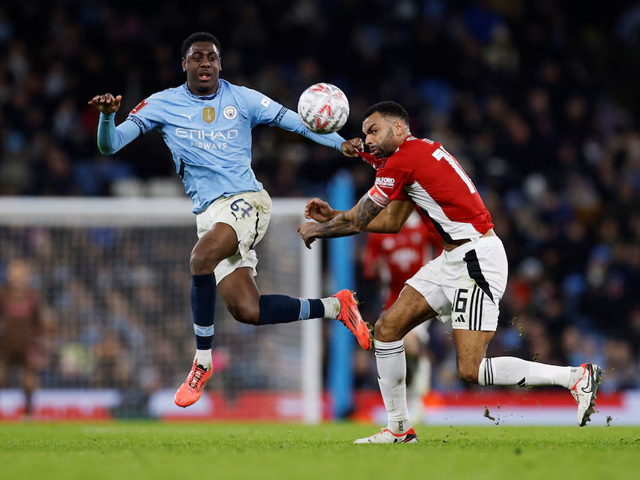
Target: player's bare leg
<point>217,244</point>
<point>245,303</point>
<point>410,310</point>
<point>583,381</point>
<point>241,296</point>
<point>471,346</point>
<point>243,300</point>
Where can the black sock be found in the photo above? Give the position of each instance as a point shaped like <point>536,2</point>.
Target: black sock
<point>203,304</point>
<point>283,309</point>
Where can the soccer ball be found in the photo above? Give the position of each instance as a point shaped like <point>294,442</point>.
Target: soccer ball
<point>323,108</point>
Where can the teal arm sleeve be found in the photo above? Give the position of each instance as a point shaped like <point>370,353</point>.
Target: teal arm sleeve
<point>112,139</point>
<point>291,121</point>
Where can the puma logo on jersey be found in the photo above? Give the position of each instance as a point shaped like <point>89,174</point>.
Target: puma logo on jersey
<point>185,115</point>
<point>385,181</point>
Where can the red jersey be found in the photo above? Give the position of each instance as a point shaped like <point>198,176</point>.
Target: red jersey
<point>395,258</point>
<point>422,171</point>
<point>19,319</point>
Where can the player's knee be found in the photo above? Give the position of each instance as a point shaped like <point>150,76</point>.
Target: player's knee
<point>468,371</point>
<point>202,262</point>
<point>386,330</point>
<point>245,312</point>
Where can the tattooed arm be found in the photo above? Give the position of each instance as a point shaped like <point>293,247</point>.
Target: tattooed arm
<point>344,224</point>
<point>392,218</point>
<point>389,220</point>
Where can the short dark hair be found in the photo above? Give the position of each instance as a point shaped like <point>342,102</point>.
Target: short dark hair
<point>389,109</point>
<point>198,37</point>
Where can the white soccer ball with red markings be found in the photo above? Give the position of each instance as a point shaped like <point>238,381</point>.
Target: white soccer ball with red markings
<point>323,108</point>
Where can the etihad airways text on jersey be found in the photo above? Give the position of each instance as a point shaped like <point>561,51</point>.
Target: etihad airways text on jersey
<point>206,134</point>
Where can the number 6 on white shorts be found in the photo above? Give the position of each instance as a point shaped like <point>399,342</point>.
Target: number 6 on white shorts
<point>468,307</point>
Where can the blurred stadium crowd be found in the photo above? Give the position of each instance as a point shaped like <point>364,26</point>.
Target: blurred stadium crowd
<point>113,301</point>
<point>537,99</point>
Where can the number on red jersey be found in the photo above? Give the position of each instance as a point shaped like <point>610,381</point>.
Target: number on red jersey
<point>442,153</point>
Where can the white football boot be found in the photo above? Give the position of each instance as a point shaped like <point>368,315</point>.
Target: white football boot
<point>585,387</point>
<point>387,436</point>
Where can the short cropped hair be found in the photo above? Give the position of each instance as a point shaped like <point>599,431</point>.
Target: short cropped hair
<point>389,109</point>
<point>198,37</point>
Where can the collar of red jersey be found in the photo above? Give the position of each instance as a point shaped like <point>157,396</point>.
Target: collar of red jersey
<point>407,139</point>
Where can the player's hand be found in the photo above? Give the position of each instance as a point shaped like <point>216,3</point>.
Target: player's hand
<point>318,210</point>
<point>350,148</point>
<point>306,232</point>
<point>106,103</point>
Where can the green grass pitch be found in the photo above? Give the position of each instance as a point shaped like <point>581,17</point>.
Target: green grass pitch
<point>152,450</point>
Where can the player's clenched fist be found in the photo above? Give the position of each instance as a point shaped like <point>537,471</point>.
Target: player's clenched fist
<point>350,148</point>
<point>106,103</point>
<point>319,210</point>
<point>306,231</point>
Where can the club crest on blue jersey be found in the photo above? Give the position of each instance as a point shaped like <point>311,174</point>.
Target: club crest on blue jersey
<point>230,112</point>
<point>208,114</point>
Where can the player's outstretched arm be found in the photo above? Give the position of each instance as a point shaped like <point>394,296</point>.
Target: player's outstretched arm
<point>391,219</point>
<point>110,138</point>
<point>291,122</point>
<point>346,223</point>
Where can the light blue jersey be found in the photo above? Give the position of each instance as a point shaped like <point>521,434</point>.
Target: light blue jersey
<point>209,136</point>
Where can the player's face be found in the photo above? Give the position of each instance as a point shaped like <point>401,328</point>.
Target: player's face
<point>380,135</point>
<point>203,66</point>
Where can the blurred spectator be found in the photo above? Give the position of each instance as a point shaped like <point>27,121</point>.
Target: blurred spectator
<point>21,329</point>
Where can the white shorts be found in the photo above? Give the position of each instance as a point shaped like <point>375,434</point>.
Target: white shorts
<point>466,284</point>
<point>248,213</point>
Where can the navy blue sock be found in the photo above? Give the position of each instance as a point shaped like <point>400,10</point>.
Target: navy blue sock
<point>203,304</point>
<point>283,309</point>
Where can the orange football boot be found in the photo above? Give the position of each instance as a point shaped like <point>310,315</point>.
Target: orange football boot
<point>350,317</point>
<point>191,390</point>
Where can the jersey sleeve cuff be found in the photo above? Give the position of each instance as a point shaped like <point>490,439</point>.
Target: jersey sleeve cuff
<point>378,197</point>
<point>276,121</point>
<point>143,128</point>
